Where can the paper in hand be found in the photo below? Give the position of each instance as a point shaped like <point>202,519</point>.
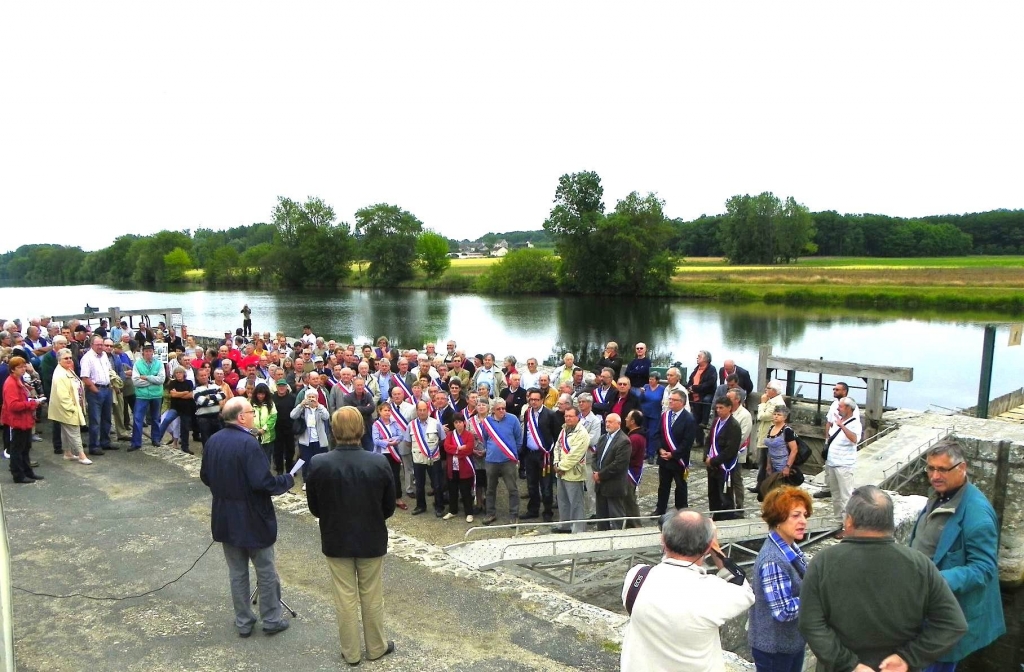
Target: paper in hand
<point>298,465</point>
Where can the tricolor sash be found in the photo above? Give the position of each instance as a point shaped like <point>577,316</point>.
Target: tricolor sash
<point>713,450</point>
<point>346,390</point>
<point>420,436</point>
<point>477,430</point>
<point>635,475</point>
<point>601,396</point>
<point>396,413</point>
<point>459,444</point>
<point>531,426</point>
<point>386,433</point>
<point>666,432</point>
<point>502,446</point>
<point>404,387</point>
<point>451,402</point>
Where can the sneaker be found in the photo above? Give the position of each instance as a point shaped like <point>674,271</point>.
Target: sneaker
<point>469,519</point>
<point>36,438</point>
<point>85,460</point>
<point>448,516</point>
<point>303,487</point>
<point>7,455</point>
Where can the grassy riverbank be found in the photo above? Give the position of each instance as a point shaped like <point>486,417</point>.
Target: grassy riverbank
<point>990,284</point>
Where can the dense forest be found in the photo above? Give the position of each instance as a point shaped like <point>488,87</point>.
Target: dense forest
<point>305,245</point>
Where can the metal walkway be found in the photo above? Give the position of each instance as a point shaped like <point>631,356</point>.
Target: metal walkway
<point>591,559</point>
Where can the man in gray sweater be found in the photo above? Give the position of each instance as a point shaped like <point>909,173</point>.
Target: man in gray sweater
<point>869,603</point>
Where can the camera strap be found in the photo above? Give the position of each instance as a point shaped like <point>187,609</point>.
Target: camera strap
<point>634,588</point>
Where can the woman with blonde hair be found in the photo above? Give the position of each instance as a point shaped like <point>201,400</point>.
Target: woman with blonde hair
<point>67,406</point>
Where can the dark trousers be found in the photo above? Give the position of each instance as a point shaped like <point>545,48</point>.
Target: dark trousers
<point>720,495</point>
<point>460,485</point>
<point>129,405</point>
<point>396,473</point>
<point>284,450</point>
<point>208,425</point>
<point>422,471</point>
<point>778,662</point>
<point>184,428</point>
<point>609,507</point>
<point>367,441</point>
<point>538,486</point>
<point>58,442</point>
<point>653,435</point>
<point>666,477</point>
<point>19,443</point>
<point>307,453</point>
<point>247,327</point>
<point>101,406</point>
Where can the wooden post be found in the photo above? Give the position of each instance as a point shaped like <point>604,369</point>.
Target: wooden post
<point>988,350</point>
<point>873,409</point>
<point>762,368</point>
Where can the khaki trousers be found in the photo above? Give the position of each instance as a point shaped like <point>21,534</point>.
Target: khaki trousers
<point>357,582</point>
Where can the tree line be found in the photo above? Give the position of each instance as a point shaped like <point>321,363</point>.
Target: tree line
<point>631,249</point>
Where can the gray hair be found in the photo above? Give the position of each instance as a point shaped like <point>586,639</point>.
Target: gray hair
<point>233,408</point>
<point>849,403</point>
<point>674,370</point>
<point>871,509</point>
<point>740,393</point>
<point>777,386</point>
<point>499,403</point>
<point>687,532</point>
<point>565,399</point>
<point>585,396</point>
<point>947,447</point>
<point>781,408</point>
<point>64,352</point>
<point>705,354</point>
<point>59,341</point>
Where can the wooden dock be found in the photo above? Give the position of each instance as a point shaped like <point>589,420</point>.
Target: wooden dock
<point>1014,415</point>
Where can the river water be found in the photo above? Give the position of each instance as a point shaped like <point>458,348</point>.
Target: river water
<point>943,350</point>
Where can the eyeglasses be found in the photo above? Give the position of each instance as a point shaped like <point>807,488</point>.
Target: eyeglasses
<point>941,470</point>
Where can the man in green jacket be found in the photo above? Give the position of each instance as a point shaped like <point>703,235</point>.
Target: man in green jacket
<point>959,531</point>
<point>869,603</point>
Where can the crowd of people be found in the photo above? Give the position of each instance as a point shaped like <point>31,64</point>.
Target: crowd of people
<point>445,428</point>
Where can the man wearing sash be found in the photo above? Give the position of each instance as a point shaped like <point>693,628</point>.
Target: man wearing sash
<point>594,426</point>
<point>502,434</point>
<point>637,454</point>
<point>426,435</point>
<point>383,376</point>
<point>723,447</point>
<point>475,425</point>
<point>570,453</point>
<point>611,462</point>
<point>678,430</point>
<point>387,434</point>
<point>539,434</point>
<point>362,401</point>
<point>401,412</point>
<point>736,397</point>
<point>342,386</point>
<point>604,393</point>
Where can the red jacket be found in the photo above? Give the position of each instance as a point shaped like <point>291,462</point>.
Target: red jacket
<point>464,454</point>
<point>19,410</point>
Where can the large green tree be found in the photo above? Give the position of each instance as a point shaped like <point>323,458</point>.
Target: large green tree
<point>388,236</point>
<point>310,248</point>
<point>635,239</point>
<point>572,223</point>
<point>764,230</point>
<point>432,253</point>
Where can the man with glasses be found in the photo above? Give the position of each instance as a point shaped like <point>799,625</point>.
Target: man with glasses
<point>502,435</point>
<point>640,368</point>
<point>539,433</point>
<point>243,520</point>
<point>959,531</point>
<point>95,373</point>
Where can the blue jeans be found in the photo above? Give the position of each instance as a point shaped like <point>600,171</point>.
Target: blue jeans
<point>940,667</point>
<point>778,662</point>
<point>183,434</point>
<point>307,453</point>
<point>142,406</point>
<point>101,406</point>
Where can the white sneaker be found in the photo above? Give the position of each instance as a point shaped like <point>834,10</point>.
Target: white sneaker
<point>7,455</point>
<point>448,516</point>
<point>85,460</point>
<point>303,487</point>
<point>469,519</point>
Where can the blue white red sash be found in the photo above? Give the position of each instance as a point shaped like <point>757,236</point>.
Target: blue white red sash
<point>451,402</point>
<point>477,430</point>
<point>531,426</point>
<point>396,415</point>
<point>420,436</point>
<point>601,396</point>
<point>666,433</point>
<point>635,475</point>
<point>713,449</point>
<point>346,390</point>
<point>385,433</point>
<point>403,386</point>
<point>502,446</point>
<point>459,444</point>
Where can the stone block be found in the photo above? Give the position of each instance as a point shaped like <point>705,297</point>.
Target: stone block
<point>988,450</point>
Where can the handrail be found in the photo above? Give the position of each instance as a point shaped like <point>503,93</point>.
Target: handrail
<point>6,606</point>
<point>900,469</point>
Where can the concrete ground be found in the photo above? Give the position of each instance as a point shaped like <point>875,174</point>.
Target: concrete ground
<point>132,522</point>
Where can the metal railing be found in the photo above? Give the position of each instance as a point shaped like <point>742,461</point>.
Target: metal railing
<point>897,476</point>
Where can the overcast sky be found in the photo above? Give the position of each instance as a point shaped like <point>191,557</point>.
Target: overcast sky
<point>138,116</point>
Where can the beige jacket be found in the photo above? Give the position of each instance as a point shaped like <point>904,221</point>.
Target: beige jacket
<point>66,398</point>
<point>579,445</point>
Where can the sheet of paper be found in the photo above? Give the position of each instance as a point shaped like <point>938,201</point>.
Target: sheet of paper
<point>298,465</point>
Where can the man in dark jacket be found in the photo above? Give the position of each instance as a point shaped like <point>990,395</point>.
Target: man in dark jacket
<point>720,456</point>
<point>678,429</point>
<point>611,461</point>
<point>362,401</point>
<point>243,520</point>
<point>352,492</point>
<point>742,376</point>
<point>539,434</point>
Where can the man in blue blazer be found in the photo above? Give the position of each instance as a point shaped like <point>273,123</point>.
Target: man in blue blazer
<point>958,530</point>
<point>236,470</point>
